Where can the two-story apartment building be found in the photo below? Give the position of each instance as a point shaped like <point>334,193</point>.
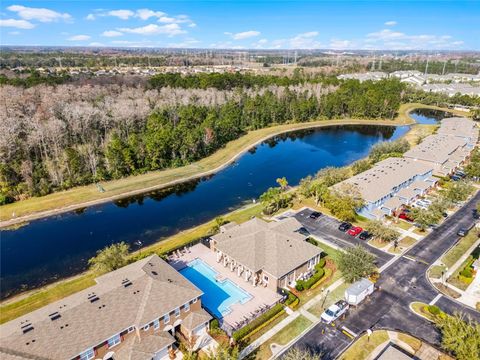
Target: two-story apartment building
<point>273,255</point>
<point>462,128</point>
<point>379,185</point>
<point>131,313</point>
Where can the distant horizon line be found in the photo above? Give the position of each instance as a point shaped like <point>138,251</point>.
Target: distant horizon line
<point>345,51</point>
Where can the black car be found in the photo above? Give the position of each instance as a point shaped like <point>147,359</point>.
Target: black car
<point>476,214</point>
<point>344,226</point>
<point>303,231</point>
<point>462,232</point>
<point>364,235</point>
<point>315,215</point>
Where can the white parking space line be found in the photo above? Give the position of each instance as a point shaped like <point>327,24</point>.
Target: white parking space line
<point>435,299</point>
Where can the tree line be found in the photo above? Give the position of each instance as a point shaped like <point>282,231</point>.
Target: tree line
<point>54,138</point>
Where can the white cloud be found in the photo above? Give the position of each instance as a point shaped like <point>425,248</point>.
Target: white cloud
<point>19,24</point>
<point>90,17</point>
<point>146,14</point>
<point>14,32</point>
<point>338,44</point>
<point>305,40</point>
<point>40,14</point>
<point>388,39</point>
<point>243,35</point>
<point>111,33</point>
<point>96,44</point>
<point>390,23</point>
<point>78,38</point>
<point>128,43</point>
<point>190,42</point>
<point>153,29</point>
<point>121,14</point>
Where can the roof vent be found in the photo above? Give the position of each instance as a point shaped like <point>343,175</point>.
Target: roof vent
<point>93,297</point>
<point>170,280</point>
<point>54,316</point>
<point>154,273</point>
<point>126,282</point>
<point>27,327</point>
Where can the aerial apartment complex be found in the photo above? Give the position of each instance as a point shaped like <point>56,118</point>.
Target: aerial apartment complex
<point>131,313</point>
<point>395,182</point>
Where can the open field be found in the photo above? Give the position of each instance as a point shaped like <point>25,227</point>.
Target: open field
<point>85,196</point>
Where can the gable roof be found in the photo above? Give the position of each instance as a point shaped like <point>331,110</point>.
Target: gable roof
<point>384,176</point>
<point>154,289</point>
<point>274,247</point>
<point>436,148</point>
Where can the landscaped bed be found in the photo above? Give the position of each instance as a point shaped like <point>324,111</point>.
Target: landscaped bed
<point>362,347</point>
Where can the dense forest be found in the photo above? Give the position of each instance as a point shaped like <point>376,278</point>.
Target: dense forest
<point>57,137</point>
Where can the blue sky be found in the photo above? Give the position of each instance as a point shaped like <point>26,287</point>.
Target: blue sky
<point>277,24</point>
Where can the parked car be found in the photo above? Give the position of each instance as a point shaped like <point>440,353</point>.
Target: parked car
<point>476,214</point>
<point>364,235</point>
<point>462,232</point>
<point>420,205</point>
<point>405,216</point>
<point>344,226</point>
<point>354,231</point>
<point>303,231</point>
<point>334,311</point>
<point>460,173</point>
<point>426,201</point>
<point>315,215</point>
<point>456,178</point>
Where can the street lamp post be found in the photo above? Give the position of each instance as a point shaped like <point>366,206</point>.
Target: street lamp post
<point>325,298</point>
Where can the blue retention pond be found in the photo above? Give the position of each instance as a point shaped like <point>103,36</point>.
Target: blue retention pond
<point>218,295</point>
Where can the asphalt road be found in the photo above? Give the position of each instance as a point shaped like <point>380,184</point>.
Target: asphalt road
<point>326,228</point>
<point>401,283</point>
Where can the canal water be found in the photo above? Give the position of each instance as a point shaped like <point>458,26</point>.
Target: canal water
<point>60,246</point>
<point>428,116</point>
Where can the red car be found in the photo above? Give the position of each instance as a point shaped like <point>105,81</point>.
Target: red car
<point>354,231</point>
<point>405,217</point>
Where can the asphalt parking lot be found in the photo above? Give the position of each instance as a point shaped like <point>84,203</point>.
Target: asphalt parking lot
<point>326,228</point>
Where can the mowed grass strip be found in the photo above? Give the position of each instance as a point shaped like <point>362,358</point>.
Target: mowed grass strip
<point>114,189</point>
<point>362,347</point>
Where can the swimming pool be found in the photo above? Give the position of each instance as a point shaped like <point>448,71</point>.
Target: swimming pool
<point>218,295</point>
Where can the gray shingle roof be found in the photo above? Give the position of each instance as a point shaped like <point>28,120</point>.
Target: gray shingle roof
<point>436,148</point>
<point>156,289</point>
<point>273,247</point>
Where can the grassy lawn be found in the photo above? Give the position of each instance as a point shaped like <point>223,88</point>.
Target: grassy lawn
<point>12,308</point>
<point>419,308</point>
<point>337,294</point>
<point>436,271</point>
<point>284,336</point>
<point>452,256</point>
<point>378,243</point>
<point>403,225</point>
<point>414,343</point>
<point>362,347</point>
<point>255,336</point>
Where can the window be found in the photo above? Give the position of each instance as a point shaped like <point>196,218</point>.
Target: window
<point>87,355</point>
<point>131,328</point>
<point>156,324</point>
<point>146,327</point>
<point>114,340</point>
<point>166,319</point>
<point>195,300</point>
<point>177,312</point>
<point>265,278</point>
<point>310,264</point>
<point>186,307</point>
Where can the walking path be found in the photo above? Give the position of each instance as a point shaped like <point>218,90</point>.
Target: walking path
<point>470,296</point>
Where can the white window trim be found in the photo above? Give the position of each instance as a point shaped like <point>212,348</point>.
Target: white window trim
<point>265,278</point>
<point>114,342</point>
<point>156,324</point>
<point>186,307</point>
<point>177,312</point>
<point>146,327</point>
<point>87,354</point>
<point>131,329</point>
<point>195,300</point>
<point>166,319</point>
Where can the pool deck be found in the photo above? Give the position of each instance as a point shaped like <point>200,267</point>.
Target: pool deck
<point>260,296</point>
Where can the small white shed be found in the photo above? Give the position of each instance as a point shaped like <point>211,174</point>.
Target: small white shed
<point>358,291</point>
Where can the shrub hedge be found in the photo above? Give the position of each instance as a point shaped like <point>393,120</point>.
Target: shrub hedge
<point>259,321</point>
<point>318,274</point>
<point>434,310</point>
<point>312,241</point>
